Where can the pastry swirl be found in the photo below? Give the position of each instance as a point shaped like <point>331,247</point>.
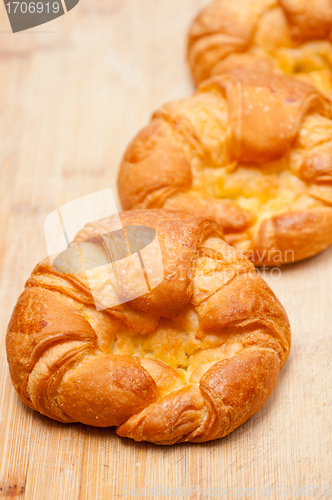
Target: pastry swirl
<point>189,361</point>
<point>282,36</point>
<point>251,151</point>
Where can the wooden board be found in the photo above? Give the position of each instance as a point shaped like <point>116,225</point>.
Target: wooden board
<point>73,93</point>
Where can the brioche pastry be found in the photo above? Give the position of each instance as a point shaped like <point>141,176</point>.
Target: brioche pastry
<point>251,151</point>
<point>284,36</point>
<point>191,360</point>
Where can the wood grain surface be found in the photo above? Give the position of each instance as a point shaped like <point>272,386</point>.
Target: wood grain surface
<point>73,93</point>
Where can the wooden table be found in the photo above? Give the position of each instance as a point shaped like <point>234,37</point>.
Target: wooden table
<point>73,93</point>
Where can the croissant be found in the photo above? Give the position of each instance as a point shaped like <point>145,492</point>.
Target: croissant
<point>190,360</point>
<point>252,151</point>
<point>284,36</point>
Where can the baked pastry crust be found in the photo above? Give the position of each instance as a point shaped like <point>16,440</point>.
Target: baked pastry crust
<point>251,151</point>
<point>284,36</point>
<point>189,361</point>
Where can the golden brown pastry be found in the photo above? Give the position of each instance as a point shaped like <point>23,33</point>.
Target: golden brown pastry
<point>190,360</point>
<point>284,36</point>
<point>251,151</point>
